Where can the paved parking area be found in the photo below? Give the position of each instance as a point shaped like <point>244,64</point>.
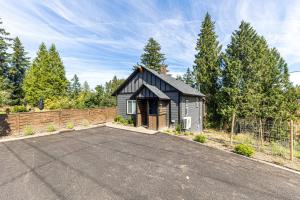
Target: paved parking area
<point>108,163</point>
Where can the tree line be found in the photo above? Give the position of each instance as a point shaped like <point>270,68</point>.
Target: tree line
<point>248,79</point>
<point>42,82</point>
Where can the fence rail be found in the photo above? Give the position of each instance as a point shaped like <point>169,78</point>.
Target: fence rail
<point>12,124</point>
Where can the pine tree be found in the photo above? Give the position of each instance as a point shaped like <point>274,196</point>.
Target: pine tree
<point>86,87</point>
<point>45,77</point>
<point>75,86</point>
<point>207,65</point>
<point>188,78</point>
<point>18,65</point>
<point>4,60</point>
<point>152,57</point>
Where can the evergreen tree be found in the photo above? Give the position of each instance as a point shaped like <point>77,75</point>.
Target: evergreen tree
<point>18,65</point>
<point>75,86</point>
<point>45,77</point>
<point>4,60</point>
<point>86,87</point>
<point>152,57</point>
<point>188,78</point>
<point>207,65</point>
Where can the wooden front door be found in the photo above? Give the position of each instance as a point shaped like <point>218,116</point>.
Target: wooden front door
<point>142,116</point>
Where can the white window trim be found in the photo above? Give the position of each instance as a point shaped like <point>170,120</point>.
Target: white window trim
<point>133,108</point>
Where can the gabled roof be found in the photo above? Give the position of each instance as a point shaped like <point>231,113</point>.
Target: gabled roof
<point>157,92</point>
<point>177,84</point>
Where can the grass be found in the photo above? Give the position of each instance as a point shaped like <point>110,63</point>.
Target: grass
<point>85,122</point>
<point>200,138</point>
<point>278,150</point>
<point>245,138</point>
<point>51,128</point>
<point>28,131</point>
<point>70,125</point>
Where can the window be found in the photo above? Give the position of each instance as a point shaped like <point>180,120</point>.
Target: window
<point>152,107</point>
<point>131,107</point>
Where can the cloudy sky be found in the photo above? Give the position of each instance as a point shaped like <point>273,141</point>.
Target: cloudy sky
<point>99,39</point>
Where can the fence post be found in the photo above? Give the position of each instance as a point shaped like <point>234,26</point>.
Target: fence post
<point>292,141</point>
<point>19,131</point>
<point>59,118</point>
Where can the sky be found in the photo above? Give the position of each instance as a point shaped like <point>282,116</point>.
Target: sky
<point>99,39</point>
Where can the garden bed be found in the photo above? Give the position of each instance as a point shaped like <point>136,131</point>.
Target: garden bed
<point>268,152</point>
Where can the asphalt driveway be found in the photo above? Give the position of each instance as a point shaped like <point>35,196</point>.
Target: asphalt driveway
<point>107,163</point>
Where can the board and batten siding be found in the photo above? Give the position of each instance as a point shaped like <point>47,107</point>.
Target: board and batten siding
<point>194,110</point>
<point>146,77</point>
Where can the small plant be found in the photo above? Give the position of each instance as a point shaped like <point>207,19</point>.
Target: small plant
<point>244,138</point>
<point>28,130</point>
<point>200,138</point>
<point>278,150</point>
<point>120,119</point>
<point>70,125</point>
<point>130,121</point>
<point>85,122</point>
<point>21,108</point>
<point>51,128</point>
<point>244,149</point>
<point>178,128</point>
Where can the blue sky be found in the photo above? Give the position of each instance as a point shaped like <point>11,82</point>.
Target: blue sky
<point>99,39</point>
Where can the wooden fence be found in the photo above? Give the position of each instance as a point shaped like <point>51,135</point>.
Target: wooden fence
<point>13,124</point>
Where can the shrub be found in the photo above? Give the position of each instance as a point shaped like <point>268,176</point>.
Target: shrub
<point>28,130</point>
<point>70,125</point>
<point>200,138</point>
<point>278,150</point>
<point>21,108</point>
<point>130,121</point>
<point>178,128</point>
<point>120,119</point>
<point>51,128</point>
<point>59,103</point>
<point>244,149</point>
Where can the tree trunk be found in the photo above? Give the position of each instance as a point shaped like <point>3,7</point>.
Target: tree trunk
<point>232,128</point>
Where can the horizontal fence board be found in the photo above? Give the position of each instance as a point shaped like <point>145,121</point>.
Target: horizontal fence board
<point>12,124</point>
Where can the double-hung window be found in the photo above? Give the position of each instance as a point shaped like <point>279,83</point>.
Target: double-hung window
<point>131,107</point>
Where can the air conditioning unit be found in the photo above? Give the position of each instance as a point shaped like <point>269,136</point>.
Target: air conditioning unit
<point>187,122</point>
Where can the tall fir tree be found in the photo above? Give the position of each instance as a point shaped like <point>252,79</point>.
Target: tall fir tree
<point>207,65</point>
<point>4,61</point>
<point>45,77</point>
<point>152,56</point>
<point>18,65</point>
<point>86,87</point>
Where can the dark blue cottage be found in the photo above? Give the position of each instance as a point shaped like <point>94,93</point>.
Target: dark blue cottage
<point>157,101</point>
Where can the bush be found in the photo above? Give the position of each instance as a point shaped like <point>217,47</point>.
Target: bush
<point>130,121</point>
<point>178,128</point>
<point>51,128</point>
<point>120,119</point>
<point>244,149</point>
<point>278,150</point>
<point>70,125</point>
<point>59,103</point>
<point>28,130</point>
<point>85,122</point>
<point>21,108</point>
<point>200,138</point>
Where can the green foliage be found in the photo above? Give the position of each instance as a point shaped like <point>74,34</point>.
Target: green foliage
<point>120,119</point>
<point>21,108</point>
<point>244,149</point>
<point>28,131</point>
<point>75,87</point>
<point>70,125</point>
<point>178,127</point>
<point>278,150</point>
<point>200,138</point>
<point>152,57</point>
<point>59,103</point>
<point>51,128</point>
<point>45,77</point>
<point>18,65</point>
<point>245,138</point>
<point>206,67</point>
<point>188,78</point>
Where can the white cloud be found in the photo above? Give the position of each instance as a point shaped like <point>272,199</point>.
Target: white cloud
<point>295,78</point>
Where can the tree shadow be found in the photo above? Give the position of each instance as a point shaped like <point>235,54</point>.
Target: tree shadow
<point>4,125</point>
